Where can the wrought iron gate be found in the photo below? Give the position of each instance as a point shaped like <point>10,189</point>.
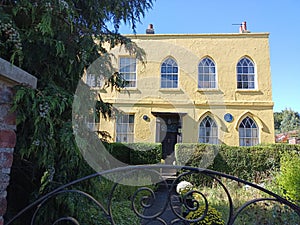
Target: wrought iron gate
<point>155,200</point>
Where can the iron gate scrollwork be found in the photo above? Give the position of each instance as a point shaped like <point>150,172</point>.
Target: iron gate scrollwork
<point>158,202</point>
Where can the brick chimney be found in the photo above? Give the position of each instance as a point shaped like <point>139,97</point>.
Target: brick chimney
<point>150,29</point>
<point>243,28</point>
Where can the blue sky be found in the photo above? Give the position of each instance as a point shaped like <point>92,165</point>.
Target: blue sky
<point>280,18</point>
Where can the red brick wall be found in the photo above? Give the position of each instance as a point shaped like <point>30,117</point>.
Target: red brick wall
<point>7,142</point>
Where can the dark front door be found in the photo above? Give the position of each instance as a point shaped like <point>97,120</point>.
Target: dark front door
<point>167,133</point>
<point>168,144</point>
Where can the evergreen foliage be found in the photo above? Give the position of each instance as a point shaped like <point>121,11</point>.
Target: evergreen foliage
<point>289,177</point>
<point>248,163</point>
<point>286,120</point>
<point>56,41</point>
<point>212,217</point>
<point>290,121</point>
<point>136,153</point>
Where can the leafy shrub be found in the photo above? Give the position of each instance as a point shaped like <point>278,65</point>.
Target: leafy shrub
<point>249,163</point>
<point>213,216</point>
<point>289,176</point>
<point>136,153</point>
<point>123,214</point>
<point>10,41</point>
<point>285,147</point>
<point>120,151</point>
<point>185,151</point>
<point>145,153</point>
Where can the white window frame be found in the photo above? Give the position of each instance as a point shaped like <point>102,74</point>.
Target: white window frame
<point>208,74</point>
<point>93,81</point>
<point>169,69</point>
<point>208,134</point>
<point>248,132</point>
<point>127,69</point>
<point>246,74</point>
<point>125,128</point>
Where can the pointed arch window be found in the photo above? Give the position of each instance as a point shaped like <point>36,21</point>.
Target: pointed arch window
<point>245,74</point>
<point>206,74</point>
<point>208,131</point>
<point>169,74</point>
<point>248,132</point>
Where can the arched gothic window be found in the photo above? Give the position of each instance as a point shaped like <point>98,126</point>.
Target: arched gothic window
<point>206,74</point>
<point>245,74</point>
<point>169,74</point>
<point>208,131</point>
<point>248,132</point>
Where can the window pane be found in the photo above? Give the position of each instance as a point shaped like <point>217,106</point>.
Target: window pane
<point>130,128</point>
<point>169,69</point>
<point>131,118</point>
<point>244,77</point>
<point>245,69</point>
<point>206,74</point>
<point>248,133</point>
<point>254,133</point>
<point>169,74</point>
<point>251,85</point>
<point>251,69</point>
<point>239,70</point>
<point>251,77</point>
<point>246,74</point>
<point>127,68</point>
<point>125,128</point>
<point>212,70</point>
<point>208,131</point>
<point>213,84</point>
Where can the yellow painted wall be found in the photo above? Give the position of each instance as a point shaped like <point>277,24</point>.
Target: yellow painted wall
<point>188,50</point>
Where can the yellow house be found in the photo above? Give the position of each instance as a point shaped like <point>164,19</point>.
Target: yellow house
<point>210,88</point>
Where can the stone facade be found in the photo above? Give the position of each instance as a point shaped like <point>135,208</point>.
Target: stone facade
<point>9,76</point>
<point>188,104</point>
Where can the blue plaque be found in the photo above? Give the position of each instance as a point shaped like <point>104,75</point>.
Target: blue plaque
<point>228,117</point>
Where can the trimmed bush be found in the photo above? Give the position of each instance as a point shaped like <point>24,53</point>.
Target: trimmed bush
<point>120,151</point>
<point>136,153</point>
<point>184,152</point>
<point>145,153</point>
<point>289,176</point>
<point>213,216</point>
<point>249,163</point>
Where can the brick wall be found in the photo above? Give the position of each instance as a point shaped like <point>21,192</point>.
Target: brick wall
<point>7,142</point>
<point>9,76</point>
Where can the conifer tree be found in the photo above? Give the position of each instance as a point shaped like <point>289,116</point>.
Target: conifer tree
<point>56,41</point>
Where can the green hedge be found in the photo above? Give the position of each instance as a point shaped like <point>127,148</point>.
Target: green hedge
<point>145,153</point>
<point>120,151</point>
<point>289,177</point>
<point>249,163</point>
<point>136,153</point>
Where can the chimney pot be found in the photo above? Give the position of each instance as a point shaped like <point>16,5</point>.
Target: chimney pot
<point>150,29</point>
<point>243,28</point>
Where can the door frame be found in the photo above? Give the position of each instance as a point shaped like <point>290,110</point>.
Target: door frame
<point>168,123</point>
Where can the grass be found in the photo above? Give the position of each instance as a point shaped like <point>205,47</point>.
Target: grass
<point>262,213</point>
